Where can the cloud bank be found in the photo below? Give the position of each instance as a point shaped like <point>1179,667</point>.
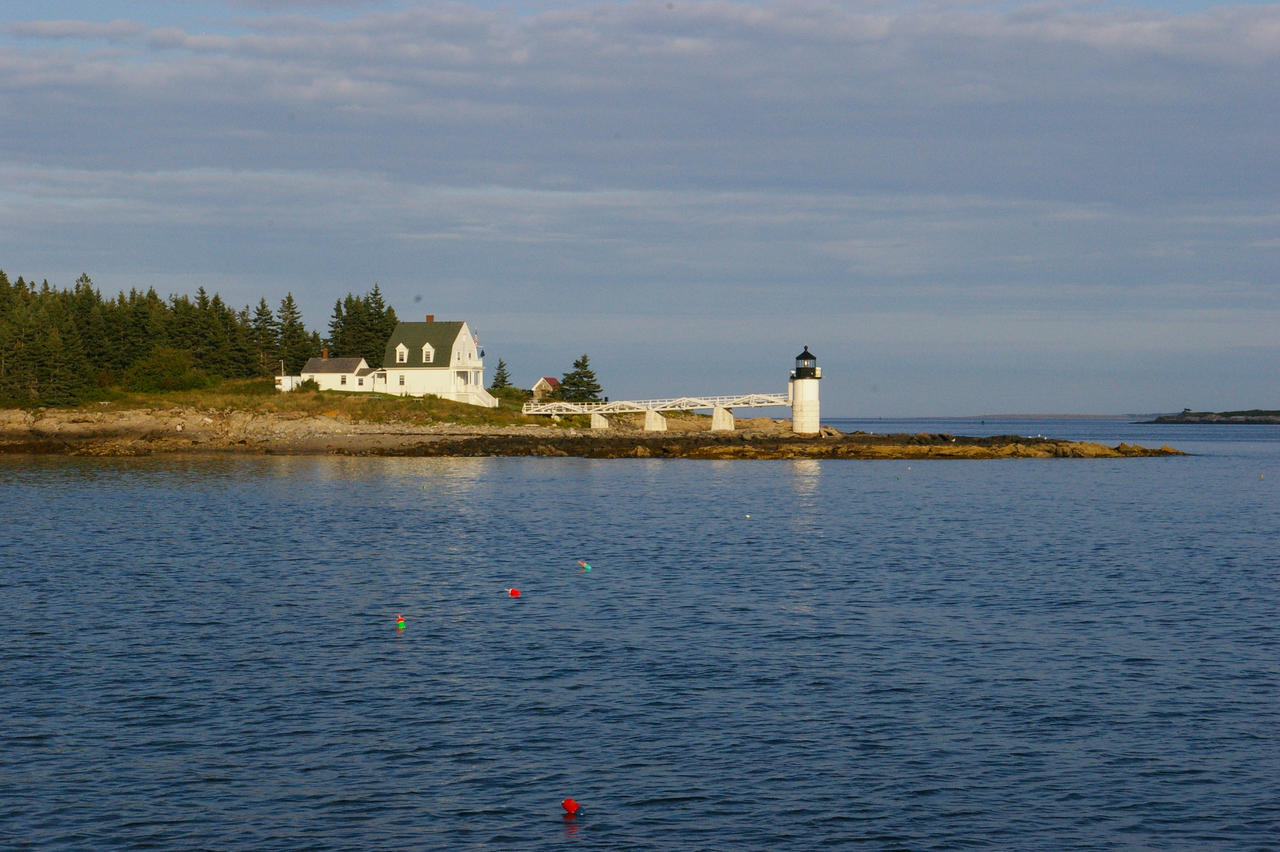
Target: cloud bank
<point>1032,192</point>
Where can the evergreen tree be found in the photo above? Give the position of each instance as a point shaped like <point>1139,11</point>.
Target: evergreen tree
<point>337,339</point>
<point>207,337</point>
<point>63,371</point>
<point>579,384</point>
<point>501,379</point>
<point>8,303</point>
<point>182,325</point>
<point>136,324</point>
<point>55,370</point>
<point>361,326</point>
<point>264,337</point>
<point>381,320</point>
<point>91,325</point>
<point>241,362</point>
<point>21,382</point>
<point>296,345</point>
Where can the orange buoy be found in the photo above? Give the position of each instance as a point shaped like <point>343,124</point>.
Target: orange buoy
<point>570,807</point>
<point>515,593</point>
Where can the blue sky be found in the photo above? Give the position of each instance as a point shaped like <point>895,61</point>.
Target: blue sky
<point>962,208</point>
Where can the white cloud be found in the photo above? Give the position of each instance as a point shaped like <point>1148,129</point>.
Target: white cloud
<point>913,175</point>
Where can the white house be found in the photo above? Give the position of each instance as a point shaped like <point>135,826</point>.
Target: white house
<point>344,374</point>
<point>438,358</point>
<point>422,358</point>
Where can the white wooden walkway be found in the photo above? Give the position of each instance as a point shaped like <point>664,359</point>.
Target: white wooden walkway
<point>721,407</point>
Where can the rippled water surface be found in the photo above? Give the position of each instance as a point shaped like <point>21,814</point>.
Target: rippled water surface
<point>1068,654</point>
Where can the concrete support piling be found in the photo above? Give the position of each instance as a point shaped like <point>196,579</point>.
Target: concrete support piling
<point>654,422</point>
<point>721,419</point>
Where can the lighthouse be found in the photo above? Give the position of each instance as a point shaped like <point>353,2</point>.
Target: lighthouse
<point>803,390</point>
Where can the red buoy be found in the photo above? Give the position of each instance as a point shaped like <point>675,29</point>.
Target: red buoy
<point>515,593</point>
<point>570,807</point>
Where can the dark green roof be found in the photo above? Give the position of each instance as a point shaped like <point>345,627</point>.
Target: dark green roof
<point>440,335</point>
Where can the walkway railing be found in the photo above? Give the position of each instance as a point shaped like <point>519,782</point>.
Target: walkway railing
<point>679,403</point>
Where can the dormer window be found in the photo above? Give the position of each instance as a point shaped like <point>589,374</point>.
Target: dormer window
<point>428,354</point>
<point>402,354</point>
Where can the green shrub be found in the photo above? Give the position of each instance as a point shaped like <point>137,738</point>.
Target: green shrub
<point>165,369</point>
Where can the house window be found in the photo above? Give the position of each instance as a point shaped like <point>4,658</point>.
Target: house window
<point>360,382</point>
<point>402,381</point>
<point>428,354</point>
<point>342,380</point>
<point>402,354</point>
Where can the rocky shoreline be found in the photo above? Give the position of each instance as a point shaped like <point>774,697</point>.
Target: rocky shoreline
<point>143,432</point>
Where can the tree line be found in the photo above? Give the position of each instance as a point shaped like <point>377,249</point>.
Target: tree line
<point>63,346</point>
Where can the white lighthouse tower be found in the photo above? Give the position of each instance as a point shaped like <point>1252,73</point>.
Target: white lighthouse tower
<point>803,390</point>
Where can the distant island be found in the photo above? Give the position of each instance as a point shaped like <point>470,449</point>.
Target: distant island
<point>1252,416</point>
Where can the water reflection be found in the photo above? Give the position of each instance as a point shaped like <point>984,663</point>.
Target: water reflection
<point>805,476</point>
<point>459,472</point>
<point>464,472</point>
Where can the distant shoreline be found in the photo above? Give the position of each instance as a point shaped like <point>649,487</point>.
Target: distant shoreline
<point>145,432</point>
<point>1253,417</point>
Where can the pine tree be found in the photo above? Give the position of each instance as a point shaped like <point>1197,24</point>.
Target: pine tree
<point>242,361</point>
<point>8,307</point>
<point>381,322</point>
<point>361,326</point>
<point>142,326</point>
<point>21,381</point>
<point>579,384</point>
<point>88,316</point>
<point>62,374</point>
<point>337,339</point>
<point>296,345</point>
<point>501,379</point>
<point>264,337</point>
<point>208,341</point>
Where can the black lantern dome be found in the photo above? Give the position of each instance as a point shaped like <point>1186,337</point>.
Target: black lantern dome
<point>806,365</point>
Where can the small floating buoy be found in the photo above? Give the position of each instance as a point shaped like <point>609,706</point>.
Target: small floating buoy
<point>515,593</point>
<point>571,808</point>
<point>399,622</point>
<point>585,566</point>
<point>748,516</point>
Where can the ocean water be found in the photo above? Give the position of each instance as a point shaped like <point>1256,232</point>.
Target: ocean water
<point>201,652</point>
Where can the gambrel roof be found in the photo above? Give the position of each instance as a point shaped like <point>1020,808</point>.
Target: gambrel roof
<point>413,335</point>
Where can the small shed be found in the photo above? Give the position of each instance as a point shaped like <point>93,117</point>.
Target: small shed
<point>545,386</point>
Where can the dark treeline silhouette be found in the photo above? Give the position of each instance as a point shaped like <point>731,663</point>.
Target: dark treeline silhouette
<point>61,347</point>
<point>361,326</point>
